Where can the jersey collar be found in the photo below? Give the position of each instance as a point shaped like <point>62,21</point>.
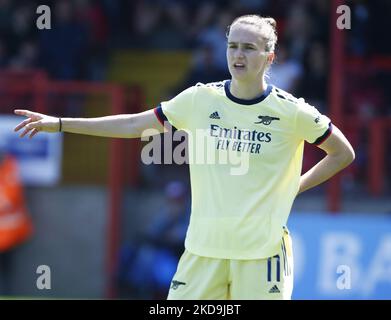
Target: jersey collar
<point>262,97</point>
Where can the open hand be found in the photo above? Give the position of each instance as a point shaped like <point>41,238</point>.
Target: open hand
<point>36,122</point>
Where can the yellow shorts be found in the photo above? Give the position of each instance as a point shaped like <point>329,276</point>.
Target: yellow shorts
<point>203,278</point>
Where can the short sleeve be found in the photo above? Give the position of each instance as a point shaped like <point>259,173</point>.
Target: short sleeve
<point>311,125</point>
<point>179,110</point>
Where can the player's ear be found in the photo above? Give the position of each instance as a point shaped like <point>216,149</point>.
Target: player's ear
<point>270,57</point>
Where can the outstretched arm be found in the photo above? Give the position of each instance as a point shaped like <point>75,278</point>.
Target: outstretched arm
<point>117,126</point>
<point>339,155</point>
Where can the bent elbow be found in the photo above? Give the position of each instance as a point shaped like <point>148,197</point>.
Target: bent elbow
<point>353,156</point>
<point>348,157</point>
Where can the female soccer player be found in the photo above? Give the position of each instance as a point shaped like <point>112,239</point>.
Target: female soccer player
<point>237,244</point>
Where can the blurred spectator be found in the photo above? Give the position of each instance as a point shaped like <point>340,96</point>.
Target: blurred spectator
<point>204,69</point>
<point>204,15</point>
<point>147,267</point>
<point>95,20</point>
<point>16,24</point>
<point>23,24</point>
<point>64,46</point>
<point>285,72</point>
<point>161,24</point>
<point>112,11</point>
<point>169,226</point>
<point>26,57</point>
<point>367,100</point>
<point>379,22</point>
<point>313,86</point>
<point>3,54</point>
<point>215,37</point>
<point>319,14</point>
<point>5,17</point>
<point>298,30</point>
<point>359,38</point>
<point>146,17</point>
<point>251,5</point>
<point>15,223</point>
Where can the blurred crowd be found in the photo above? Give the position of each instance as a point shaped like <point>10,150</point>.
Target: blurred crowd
<point>147,265</point>
<point>74,47</point>
<point>84,33</point>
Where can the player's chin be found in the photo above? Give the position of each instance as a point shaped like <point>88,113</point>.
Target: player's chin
<point>239,74</point>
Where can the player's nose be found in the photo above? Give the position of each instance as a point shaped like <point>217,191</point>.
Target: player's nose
<point>238,54</point>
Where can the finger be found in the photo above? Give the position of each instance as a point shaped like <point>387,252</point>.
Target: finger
<point>26,113</point>
<point>22,124</point>
<point>21,112</point>
<point>34,125</point>
<point>31,126</point>
<point>26,131</point>
<point>33,133</point>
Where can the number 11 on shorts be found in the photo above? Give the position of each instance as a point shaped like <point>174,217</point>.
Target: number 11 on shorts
<point>276,258</point>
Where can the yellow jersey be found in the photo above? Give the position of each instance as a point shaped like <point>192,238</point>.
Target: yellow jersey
<point>240,214</point>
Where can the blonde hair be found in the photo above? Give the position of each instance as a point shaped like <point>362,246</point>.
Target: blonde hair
<point>265,25</point>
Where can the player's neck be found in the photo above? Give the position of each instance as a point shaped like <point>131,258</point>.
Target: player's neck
<point>247,90</point>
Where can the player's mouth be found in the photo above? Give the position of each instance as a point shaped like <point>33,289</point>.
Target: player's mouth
<point>239,66</point>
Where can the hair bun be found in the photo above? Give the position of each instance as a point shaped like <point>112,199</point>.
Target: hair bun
<point>271,21</point>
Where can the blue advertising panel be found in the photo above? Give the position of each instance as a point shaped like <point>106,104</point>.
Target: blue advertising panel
<point>345,256</point>
<point>39,158</point>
